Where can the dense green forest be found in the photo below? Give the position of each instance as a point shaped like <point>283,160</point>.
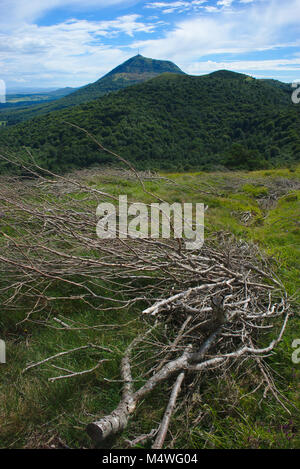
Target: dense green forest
<point>173,121</point>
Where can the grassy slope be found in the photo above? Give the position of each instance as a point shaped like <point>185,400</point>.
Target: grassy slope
<point>35,413</point>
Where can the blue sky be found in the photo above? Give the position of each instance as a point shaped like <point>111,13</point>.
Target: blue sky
<point>56,43</point>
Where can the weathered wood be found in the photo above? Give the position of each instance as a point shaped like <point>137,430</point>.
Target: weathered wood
<point>112,424</point>
<point>162,433</point>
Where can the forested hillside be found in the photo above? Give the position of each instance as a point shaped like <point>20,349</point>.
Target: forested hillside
<point>138,69</point>
<point>180,122</point>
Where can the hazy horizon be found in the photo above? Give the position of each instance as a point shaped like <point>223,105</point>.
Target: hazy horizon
<point>59,43</point>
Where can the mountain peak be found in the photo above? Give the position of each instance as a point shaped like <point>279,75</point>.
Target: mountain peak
<point>135,70</point>
<point>144,65</point>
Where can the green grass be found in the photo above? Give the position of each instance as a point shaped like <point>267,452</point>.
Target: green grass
<point>225,413</point>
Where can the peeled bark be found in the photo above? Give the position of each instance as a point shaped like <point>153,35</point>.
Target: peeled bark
<point>111,424</point>
<point>118,419</point>
<point>168,414</point>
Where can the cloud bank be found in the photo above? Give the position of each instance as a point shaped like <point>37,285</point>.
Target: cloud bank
<point>250,36</point>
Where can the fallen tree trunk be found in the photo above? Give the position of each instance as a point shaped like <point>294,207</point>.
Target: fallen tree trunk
<point>114,423</point>
<point>118,419</point>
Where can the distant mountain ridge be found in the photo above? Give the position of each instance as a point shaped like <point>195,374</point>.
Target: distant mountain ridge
<point>171,122</point>
<point>135,70</point>
<point>25,100</point>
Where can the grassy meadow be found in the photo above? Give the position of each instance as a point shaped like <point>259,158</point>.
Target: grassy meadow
<point>262,207</point>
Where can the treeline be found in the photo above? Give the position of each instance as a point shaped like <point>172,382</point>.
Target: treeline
<point>173,122</point>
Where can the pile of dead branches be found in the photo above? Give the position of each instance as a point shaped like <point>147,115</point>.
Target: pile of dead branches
<point>202,310</point>
<point>219,321</point>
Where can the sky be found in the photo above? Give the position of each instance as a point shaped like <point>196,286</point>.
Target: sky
<point>58,43</point>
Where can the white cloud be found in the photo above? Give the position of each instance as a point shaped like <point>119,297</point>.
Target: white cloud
<point>246,66</point>
<point>211,9</point>
<point>225,3</point>
<point>70,53</point>
<point>75,52</point>
<point>19,11</point>
<point>167,4</point>
<point>177,6</point>
<point>259,26</point>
